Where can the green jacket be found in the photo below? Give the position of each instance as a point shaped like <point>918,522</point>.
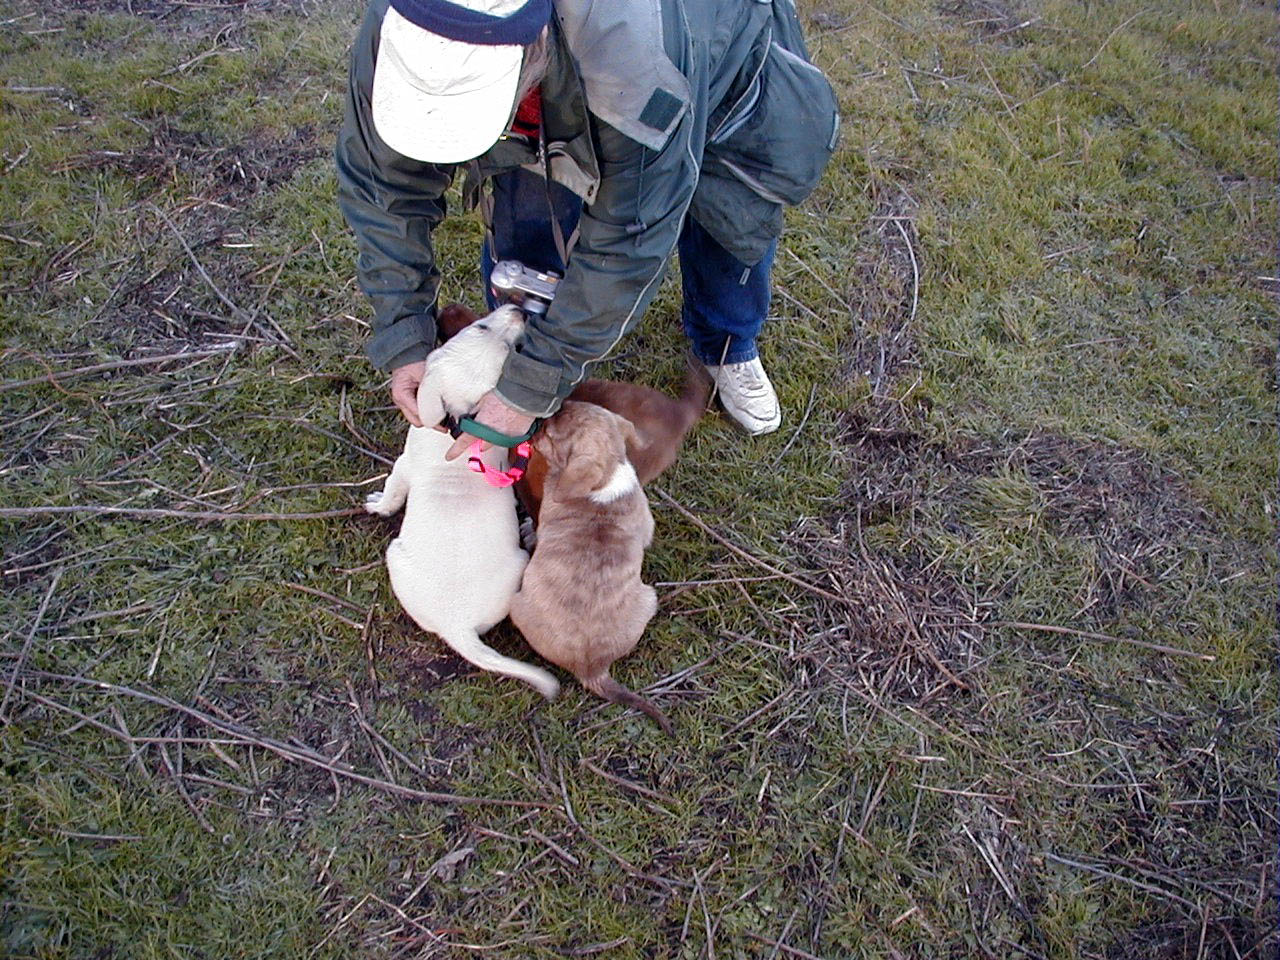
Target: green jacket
<point>652,110</point>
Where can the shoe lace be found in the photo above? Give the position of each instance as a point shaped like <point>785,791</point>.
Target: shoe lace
<point>748,378</point>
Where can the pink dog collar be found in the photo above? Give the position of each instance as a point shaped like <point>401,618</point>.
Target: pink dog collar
<point>500,478</point>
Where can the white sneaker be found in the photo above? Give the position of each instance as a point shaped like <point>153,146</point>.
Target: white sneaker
<point>747,396</point>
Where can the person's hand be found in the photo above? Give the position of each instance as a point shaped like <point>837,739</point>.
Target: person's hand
<point>492,412</point>
<point>404,389</point>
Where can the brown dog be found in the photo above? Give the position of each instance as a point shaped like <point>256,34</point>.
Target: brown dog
<point>660,422</point>
<point>660,426</point>
<point>582,604</point>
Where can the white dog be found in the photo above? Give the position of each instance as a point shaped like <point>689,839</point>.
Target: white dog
<point>457,562</point>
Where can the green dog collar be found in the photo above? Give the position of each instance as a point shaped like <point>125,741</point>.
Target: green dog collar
<point>489,435</point>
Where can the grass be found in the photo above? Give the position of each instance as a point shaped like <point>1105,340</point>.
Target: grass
<point>1025,341</point>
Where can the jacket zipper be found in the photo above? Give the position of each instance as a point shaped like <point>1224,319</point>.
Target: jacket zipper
<point>739,114</point>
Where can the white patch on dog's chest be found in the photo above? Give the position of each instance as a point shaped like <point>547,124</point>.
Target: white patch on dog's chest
<point>622,482</point>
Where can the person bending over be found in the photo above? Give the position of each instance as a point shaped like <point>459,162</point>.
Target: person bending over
<point>596,138</point>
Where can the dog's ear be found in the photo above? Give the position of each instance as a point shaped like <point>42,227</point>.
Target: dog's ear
<point>453,319</point>
<point>544,440</point>
<point>626,431</point>
<point>629,434</point>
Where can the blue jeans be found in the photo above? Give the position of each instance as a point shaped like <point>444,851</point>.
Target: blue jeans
<point>725,301</point>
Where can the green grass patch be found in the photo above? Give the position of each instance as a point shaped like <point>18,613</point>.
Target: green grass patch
<point>1025,343</point>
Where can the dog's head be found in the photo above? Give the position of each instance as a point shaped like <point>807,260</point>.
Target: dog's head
<point>583,445</point>
<point>505,324</point>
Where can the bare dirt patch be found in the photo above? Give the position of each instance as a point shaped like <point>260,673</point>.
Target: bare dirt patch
<point>428,669</point>
<point>892,469</point>
<point>916,627</point>
<point>1141,518</point>
<point>172,293</point>
<point>825,17</point>
<point>1214,938</point>
<point>988,19</point>
<point>38,551</point>
<point>910,630</point>
<point>223,172</point>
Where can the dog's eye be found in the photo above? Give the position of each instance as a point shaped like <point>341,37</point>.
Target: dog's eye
<point>482,326</point>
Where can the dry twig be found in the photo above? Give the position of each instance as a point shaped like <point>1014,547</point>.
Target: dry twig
<point>55,377</point>
<point>26,646</point>
<point>1087,635</point>
<point>779,945</point>
<point>1149,887</point>
<point>181,514</point>
<point>843,601</point>
<point>626,784</point>
<point>287,751</point>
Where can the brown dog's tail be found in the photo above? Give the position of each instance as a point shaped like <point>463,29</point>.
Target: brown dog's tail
<point>609,688</point>
<point>694,394</point>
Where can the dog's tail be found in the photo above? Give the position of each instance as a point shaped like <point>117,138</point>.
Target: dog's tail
<point>609,688</point>
<point>694,395</point>
<point>467,644</point>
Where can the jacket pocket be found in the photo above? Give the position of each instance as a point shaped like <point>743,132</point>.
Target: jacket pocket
<point>781,131</point>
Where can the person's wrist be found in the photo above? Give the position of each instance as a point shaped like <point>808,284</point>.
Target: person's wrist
<point>516,407</point>
<point>501,438</point>
<point>492,413</point>
<point>405,380</point>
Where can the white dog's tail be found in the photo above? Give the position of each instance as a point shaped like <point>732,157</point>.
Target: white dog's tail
<point>467,644</point>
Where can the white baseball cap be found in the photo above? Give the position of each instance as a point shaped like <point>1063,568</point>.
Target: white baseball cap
<point>446,77</point>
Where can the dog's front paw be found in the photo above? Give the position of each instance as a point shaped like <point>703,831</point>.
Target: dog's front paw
<point>373,504</point>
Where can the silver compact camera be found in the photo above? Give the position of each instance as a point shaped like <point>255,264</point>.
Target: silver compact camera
<point>513,282</point>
